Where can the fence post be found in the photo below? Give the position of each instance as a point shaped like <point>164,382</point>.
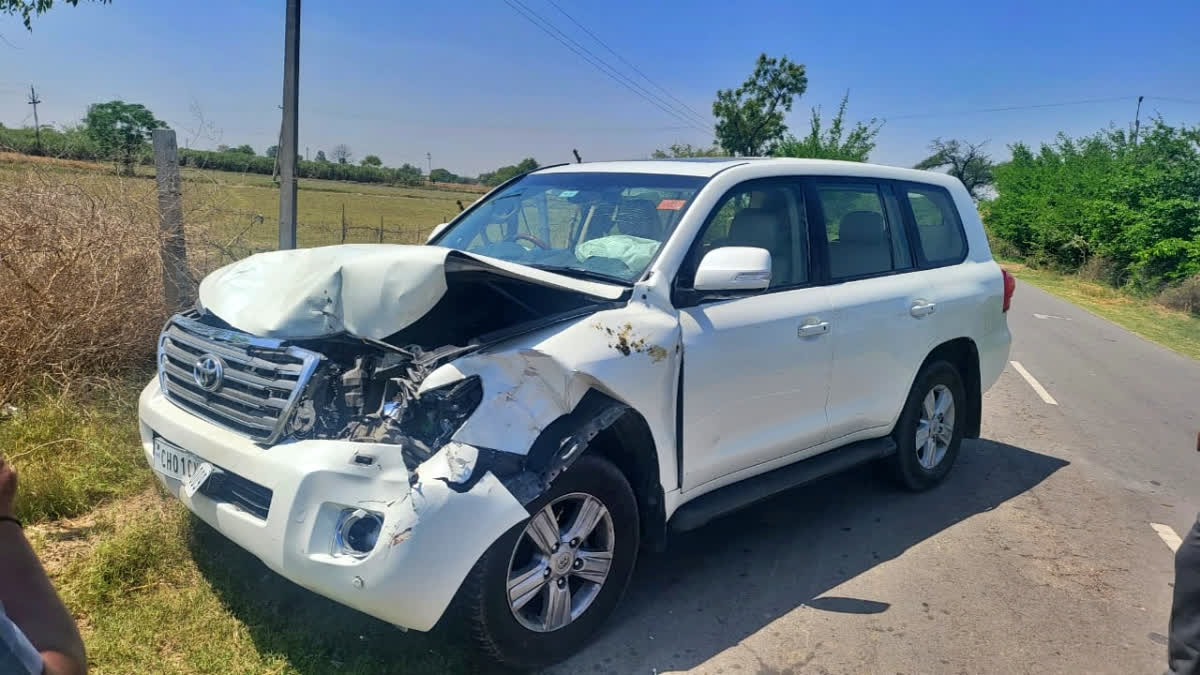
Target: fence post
<point>177,280</point>
<point>343,222</point>
<point>381,229</point>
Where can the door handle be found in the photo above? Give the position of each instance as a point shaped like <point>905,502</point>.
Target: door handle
<point>814,327</point>
<point>922,308</point>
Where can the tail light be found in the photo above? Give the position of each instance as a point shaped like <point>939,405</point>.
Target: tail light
<point>1010,285</point>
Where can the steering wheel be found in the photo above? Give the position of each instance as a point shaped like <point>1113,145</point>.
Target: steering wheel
<point>532,239</point>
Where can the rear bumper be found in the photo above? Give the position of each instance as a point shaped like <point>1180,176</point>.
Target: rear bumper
<point>431,535</point>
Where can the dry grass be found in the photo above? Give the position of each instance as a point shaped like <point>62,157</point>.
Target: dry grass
<point>1185,297</point>
<point>80,277</point>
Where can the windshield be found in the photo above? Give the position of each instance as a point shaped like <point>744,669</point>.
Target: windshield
<point>605,225</point>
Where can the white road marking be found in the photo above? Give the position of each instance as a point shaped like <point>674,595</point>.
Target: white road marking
<point>1168,536</point>
<point>1037,386</point>
<point>1051,316</point>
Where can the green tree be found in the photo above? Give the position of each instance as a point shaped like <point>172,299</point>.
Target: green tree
<point>964,160</point>
<point>121,130</point>
<point>244,149</point>
<point>442,176</point>
<point>272,151</point>
<point>750,118</point>
<point>686,150</point>
<point>506,172</point>
<point>321,156</point>
<point>372,160</point>
<point>1131,210</point>
<point>833,142</point>
<point>27,9</point>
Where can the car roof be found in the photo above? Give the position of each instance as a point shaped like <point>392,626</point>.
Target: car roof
<point>710,166</point>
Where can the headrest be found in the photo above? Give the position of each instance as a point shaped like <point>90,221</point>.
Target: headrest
<point>862,227</point>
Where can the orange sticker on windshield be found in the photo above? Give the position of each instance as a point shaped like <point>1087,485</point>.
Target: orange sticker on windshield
<point>670,205</point>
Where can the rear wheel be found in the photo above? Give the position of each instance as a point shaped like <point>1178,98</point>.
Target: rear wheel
<point>544,589</point>
<point>930,430</point>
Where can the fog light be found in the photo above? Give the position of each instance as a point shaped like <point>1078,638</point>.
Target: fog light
<point>357,531</point>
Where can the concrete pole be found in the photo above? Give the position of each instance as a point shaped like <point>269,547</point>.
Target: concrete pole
<point>289,137</point>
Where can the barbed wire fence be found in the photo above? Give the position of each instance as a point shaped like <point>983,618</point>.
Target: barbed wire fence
<point>234,234</point>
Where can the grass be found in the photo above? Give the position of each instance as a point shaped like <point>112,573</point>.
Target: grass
<point>1179,331</point>
<point>74,450</point>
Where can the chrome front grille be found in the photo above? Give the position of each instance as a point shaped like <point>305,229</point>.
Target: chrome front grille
<point>245,383</point>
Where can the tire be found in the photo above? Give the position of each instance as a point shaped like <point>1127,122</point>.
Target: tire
<point>913,467</point>
<point>484,613</point>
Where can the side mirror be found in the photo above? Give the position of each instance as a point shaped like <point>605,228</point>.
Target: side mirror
<point>437,229</point>
<point>734,268</point>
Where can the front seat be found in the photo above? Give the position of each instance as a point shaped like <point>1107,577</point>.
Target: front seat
<point>862,246</point>
<point>639,218</point>
<point>763,228</point>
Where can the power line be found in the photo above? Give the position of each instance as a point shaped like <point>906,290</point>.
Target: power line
<point>599,63</point>
<point>1011,107</point>
<point>1174,100</point>
<point>635,69</point>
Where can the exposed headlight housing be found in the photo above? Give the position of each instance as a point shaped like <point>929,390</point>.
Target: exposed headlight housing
<point>434,417</point>
<point>356,533</point>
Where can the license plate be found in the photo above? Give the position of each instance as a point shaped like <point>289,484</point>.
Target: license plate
<point>181,465</point>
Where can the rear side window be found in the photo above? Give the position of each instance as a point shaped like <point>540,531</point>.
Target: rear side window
<point>939,232</point>
<point>861,239</point>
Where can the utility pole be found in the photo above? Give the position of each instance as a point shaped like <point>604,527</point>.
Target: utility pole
<point>37,127</point>
<point>289,137</point>
<point>1137,121</point>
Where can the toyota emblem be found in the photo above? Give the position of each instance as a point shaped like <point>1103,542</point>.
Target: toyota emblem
<point>209,372</point>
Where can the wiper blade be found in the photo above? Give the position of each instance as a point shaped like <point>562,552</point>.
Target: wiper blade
<point>580,273</point>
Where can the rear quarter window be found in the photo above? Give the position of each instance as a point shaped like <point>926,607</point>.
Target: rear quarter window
<point>940,238</point>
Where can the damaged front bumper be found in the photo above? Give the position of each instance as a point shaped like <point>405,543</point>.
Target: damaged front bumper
<point>431,534</point>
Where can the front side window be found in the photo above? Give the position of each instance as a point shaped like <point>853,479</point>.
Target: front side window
<point>861,240</point>
<point>939,232</point>
<point>760,214</point>
<point>588,224</point>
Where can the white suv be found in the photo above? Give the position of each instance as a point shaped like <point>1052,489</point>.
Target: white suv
<point>592,355</point>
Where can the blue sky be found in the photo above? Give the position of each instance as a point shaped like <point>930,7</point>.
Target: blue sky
<point>477,85</point>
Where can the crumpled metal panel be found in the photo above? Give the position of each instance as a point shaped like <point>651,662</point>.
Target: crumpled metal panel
<point>365,290</point>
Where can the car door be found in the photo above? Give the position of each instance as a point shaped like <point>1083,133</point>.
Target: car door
<point>879,327</point>
<point>940,246</point>
<point>755,368</point>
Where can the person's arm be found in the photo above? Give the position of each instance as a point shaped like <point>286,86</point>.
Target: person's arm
<point>29,599</point>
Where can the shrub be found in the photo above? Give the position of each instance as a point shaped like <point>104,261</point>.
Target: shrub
<point>1135,206</point>
<point>80,277</point>
<point>1184,297</point>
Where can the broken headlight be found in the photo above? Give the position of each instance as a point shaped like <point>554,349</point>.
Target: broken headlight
<point>433,417</point>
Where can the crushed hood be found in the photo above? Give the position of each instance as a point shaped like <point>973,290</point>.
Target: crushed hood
<point>366,290</point>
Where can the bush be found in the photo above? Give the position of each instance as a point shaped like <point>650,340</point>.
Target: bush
<point>1184,297</point>
<point>80,277</point>
<point>1135,206</point>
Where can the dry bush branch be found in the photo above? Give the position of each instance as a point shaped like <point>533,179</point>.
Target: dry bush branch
<point>80,277</point>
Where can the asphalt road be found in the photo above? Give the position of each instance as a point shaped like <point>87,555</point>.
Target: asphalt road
<point>1036,556</point>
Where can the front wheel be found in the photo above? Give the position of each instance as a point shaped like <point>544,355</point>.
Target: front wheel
<point>930,429</point>
<point>545,587</point>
